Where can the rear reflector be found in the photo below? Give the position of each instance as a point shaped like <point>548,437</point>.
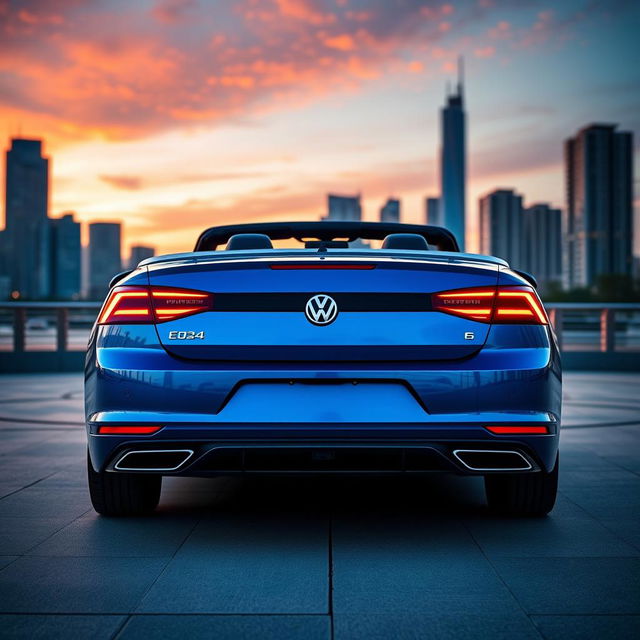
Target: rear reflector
<point>137,430</point>
<point>503,305</point>
<point>147,305</point>
<point>314,266</point>
<point>529,430</point>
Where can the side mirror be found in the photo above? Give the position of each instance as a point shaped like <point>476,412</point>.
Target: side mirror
<point>119,276</point>
<point>528,277</point>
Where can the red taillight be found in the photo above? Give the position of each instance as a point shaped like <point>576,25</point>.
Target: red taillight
<point>519,305</point>
<point>319,266</point>
<point>169,304</point>
<point>528,430</point>
<point>503,305</point>
<point>146,305</point>
<point>134,431</point>
<point>126,305</point>
<point>476,304</point>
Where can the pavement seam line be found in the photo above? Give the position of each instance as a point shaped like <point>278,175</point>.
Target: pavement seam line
<point>167,563</point>
<point>501,579</point>
<point>602,524</point>
<point>32,484</point>
<point>121,627</point>
<point>27,553</point>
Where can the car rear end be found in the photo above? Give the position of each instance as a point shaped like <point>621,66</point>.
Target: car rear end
<point>220,364</point>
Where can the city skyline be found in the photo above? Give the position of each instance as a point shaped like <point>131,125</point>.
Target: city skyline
<point>343,98</point>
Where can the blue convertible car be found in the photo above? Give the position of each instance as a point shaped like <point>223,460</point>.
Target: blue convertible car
<point>331,357</point>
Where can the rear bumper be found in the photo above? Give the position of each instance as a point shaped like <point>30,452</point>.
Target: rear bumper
<point>399,410</point>
<point>357,448</point>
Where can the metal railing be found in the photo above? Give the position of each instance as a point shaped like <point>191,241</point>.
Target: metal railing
<point>605,315</point>
<point>15,325</point>
<point>48,326</point>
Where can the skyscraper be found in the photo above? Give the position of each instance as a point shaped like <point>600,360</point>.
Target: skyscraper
<point>542,244</point>
<point>390,211</point>
<point>343,208</point>
<point>104,256</point>
<point>65,258</point>
<point>598,221</point>
<point>433,211</point>
<point>27,230</point>
<point>453,162</point>
<point>140,253</point>
<point>501,226</point>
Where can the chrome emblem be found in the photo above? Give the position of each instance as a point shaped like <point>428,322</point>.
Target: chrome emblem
<point>321,309</point>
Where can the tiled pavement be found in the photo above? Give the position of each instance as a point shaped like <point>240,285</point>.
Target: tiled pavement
<point>358,558</point>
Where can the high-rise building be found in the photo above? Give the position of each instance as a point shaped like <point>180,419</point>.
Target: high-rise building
<point>390,211</point>
<point>542,244</point>
<point>598,221</point>
<point>433,211</point>
<point>453,162</point>
<point>27,228</point>
<point>4,262</point>
<point>66,258</point>
<point>501,226</point>
<point>140,253</point>
<point>5,279</point>
<point>105,259</point>
<point>343,208</point>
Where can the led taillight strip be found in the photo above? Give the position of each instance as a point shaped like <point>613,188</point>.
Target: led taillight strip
<point>535,308</point>
<point>319,267</point>
<point>146,305</point>
<point>501,305</point>
<point>116,298</point>
<point>519,430</point>
<point>128,430</point>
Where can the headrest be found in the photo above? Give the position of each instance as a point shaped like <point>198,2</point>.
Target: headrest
<point>409,241</point>
<point>244,241</point>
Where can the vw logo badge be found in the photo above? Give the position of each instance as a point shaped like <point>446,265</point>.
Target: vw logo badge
<point>321,309</point>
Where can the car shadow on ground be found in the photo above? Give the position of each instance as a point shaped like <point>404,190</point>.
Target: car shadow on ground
<point>445,495</point>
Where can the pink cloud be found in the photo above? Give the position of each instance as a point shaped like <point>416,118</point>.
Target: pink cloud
<point>172,11</point>
<point>485,52</point>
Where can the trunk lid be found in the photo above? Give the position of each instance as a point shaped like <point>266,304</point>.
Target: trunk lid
<point>262,307</point>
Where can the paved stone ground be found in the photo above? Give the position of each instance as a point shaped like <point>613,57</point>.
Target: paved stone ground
<point>356,558</point>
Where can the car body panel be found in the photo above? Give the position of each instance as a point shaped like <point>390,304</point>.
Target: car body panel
<point>271,379</point>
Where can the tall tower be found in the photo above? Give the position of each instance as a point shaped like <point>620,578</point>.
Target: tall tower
<point>501,226</point>
<point>343,208</point>
<point>66,258</point>
<point>27,225</point>
<point>453,160</point>
<point>390,211</point>
<point>105,258</point>
<point>542,244</point>
<point>598,221</point>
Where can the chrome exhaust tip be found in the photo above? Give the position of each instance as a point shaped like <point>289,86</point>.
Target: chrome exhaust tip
<point>492,460</point>
<point>153,460</point>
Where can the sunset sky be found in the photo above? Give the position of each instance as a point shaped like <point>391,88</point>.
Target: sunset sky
<point>175,115</point>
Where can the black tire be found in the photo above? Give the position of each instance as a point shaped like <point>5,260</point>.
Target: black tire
<point>522,494</point>
<point>123,494</point>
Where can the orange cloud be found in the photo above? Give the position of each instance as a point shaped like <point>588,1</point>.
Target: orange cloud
<point>343,42</point>
<point>306,11</point>
<point>129,183</point>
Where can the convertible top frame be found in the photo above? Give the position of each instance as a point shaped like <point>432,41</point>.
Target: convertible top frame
<point>215,237</point>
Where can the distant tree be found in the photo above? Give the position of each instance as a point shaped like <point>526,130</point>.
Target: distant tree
<point>616,288</point>
<point>609,287</point>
